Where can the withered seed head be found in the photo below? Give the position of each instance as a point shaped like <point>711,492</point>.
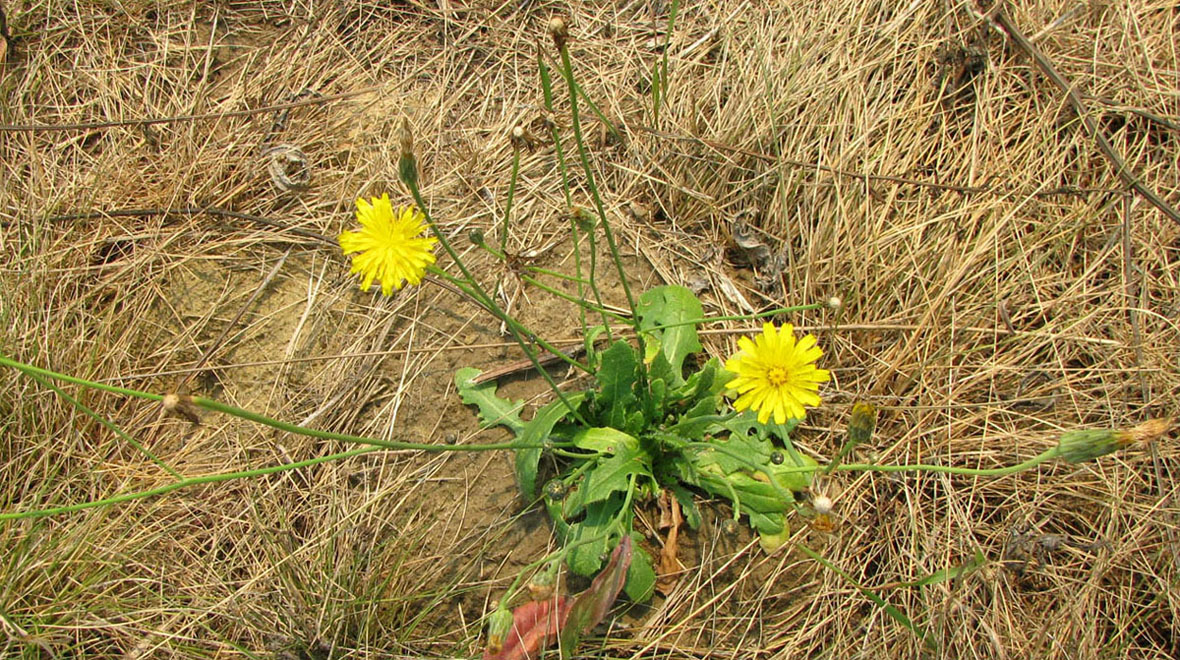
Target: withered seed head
<point>559,31</point>
<point>181,405</point>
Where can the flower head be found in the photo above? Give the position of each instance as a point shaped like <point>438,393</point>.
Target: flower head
<point>775,374</point>
<point>389,244</point>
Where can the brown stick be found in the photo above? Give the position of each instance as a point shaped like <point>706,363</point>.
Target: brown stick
<point>1075,100</point>
<point>44,128</point>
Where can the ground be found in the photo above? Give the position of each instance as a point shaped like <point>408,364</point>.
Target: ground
<point>173,176</point>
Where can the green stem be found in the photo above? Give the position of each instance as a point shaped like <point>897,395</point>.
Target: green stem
<point>547,92</point>
<point>508,320</point>
<point>575,455</point>
<point>480,295</point>
<point>30,370</point>
<point>556,275</point>
<point>511,193</point>
<point>217,406</point>
<point>184,483</point>
<point>594,280</point>
<point>584,156</point>
<point>577,472</point>
<point>577,301</point>
<point>1044,456</point>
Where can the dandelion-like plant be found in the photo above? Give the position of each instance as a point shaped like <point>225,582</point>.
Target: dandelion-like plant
<point>389,247</point>
<point>776,375</point>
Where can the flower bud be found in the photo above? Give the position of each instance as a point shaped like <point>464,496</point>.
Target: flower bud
<point>556,490</point>
<point>541,586</point>
<point>499,625</point>
<point>476,236</point>
<point>1088,444</point>
<point>407,165</point>
<point>864,420</point>
<point>772,542</point>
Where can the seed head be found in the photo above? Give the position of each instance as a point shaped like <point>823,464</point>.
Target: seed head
<point>822,504</point>
<point>835,303</point>
<point>521,139</point>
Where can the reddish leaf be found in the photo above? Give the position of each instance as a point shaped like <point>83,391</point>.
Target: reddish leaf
<point>538,623</point>
<point>534,626</point>
<point>589,608</point>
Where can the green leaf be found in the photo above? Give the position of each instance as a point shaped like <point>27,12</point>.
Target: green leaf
<point>692,515</point>
<point>703,383</point>
<point>604,439</point>
<point>590,539</point>
<point>950,573</point>
<point>634,422</point>
<point>759,449</point>
<point>699,419</point>
<point>768,523</point>
<point>617,373</point>
<point>535,433</point>
<point>753,495</point>
<point>641,577</point>
<point>737,452</point>
<point>492,409</point>
<point>672,306</point>
<point>747,421</point>
<point>613,474</point>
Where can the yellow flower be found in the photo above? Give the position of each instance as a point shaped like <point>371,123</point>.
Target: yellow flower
<point>389,246</point>
<point>776,375</point>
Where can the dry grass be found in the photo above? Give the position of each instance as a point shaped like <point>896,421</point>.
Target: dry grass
<point>981,322</point>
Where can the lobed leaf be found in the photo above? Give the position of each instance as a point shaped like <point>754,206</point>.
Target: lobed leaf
<point>493,410</point>
<point>674,306</point>
<point>613,474</point>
